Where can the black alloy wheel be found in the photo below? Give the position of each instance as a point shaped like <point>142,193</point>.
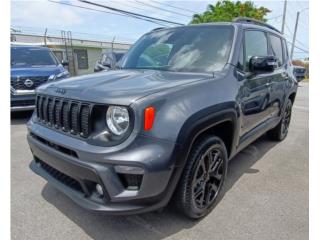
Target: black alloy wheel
<point>202,178</point>
<point>286,119</point>
<point>208,178</point>
<point>281,130</point>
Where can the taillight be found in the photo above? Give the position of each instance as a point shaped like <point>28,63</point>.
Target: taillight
<point>149,114</point>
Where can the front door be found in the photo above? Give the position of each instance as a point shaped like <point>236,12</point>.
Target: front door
<point>254,94</point>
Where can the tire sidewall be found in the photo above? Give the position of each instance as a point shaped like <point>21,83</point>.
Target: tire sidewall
<point>210,142</point>
<point>283,135</point>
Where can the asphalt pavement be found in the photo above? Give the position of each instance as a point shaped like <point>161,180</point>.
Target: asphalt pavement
<point>265,196</point>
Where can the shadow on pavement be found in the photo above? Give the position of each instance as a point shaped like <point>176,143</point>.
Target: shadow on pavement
<point>19,118</point>
<point>152,225</point>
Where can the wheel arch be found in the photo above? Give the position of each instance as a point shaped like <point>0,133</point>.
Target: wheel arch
<point>218,120</point>
<point>201,122</point>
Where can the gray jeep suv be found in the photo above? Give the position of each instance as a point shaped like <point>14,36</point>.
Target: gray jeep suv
<point>165,125</point>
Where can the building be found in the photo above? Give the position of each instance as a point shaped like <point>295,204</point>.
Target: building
<point>81,54</point>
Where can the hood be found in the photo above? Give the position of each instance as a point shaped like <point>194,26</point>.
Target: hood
<point>35,71</point>
<point>119,87</point>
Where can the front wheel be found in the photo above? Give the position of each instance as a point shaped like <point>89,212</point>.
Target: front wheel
<point>202,178</point>
<point>281,130</point>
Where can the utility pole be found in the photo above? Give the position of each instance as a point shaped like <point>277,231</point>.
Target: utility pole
<point>45,37</point>
<point>112,43</point>
<point>284,15</point>
<point>294,34</point>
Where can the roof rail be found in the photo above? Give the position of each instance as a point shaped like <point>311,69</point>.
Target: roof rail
<point>254,21</point>
<point>155,29</point>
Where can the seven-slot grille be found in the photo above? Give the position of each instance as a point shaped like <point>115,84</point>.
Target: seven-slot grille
<point>65,114</point>
<point>18,83</point>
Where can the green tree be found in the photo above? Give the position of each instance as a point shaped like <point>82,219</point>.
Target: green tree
<point>226,11</point>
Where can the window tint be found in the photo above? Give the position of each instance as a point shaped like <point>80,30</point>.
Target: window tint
<point>184,49</point>
<point>256,44</point>
<point>58,54</point>
<point>154,56</point>
<point>276,48</point>
<point>23,56</point>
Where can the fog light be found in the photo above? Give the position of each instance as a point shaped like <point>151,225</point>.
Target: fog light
<point>99,190</point>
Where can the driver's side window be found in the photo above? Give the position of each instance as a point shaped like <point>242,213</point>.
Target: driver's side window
<point>256,44</point>
<point>156,55</point>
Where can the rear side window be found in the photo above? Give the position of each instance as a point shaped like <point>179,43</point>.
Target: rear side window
<point>256,44</point>
<point>276,48</point>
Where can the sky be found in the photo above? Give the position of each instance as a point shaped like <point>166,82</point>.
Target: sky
<point>34,16</point>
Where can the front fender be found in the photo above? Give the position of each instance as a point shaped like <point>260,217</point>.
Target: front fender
<point>202,121</point>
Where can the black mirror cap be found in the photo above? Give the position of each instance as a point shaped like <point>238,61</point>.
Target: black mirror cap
<point>263,63</point>
<point>65,63</point>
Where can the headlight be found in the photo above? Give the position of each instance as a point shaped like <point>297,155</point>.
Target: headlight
<point>117,119</point>
<point>52,77</point>
<point>63,74</point>
<point>59,76</point>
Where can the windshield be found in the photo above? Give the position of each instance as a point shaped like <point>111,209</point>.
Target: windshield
<point>184,49</point>
<point>32,57</point>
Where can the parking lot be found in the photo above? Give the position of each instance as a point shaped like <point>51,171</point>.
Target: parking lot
<point>265,196</point>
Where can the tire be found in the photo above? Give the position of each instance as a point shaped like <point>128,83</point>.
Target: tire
<point>280,132</point>
<point>196,177</point>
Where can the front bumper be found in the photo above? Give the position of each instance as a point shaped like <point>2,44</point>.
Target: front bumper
<point>75,168</point>
<point>22,102</point>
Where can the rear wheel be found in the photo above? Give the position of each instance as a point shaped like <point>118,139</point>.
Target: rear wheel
<point>281,130</point>
<point>202,178</point>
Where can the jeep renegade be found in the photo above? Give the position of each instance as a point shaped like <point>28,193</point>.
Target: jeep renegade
<point>164,126</point>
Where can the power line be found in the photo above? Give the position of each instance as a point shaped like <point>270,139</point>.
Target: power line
<point>131,13</point>
<point>114,13</point>
<point>53,32</point>
<point>72,5</point>
<point>168,5</point>
<point>162,9</point>
<point>130,6</point>
<point>297,40</point>
<point>287,27</point>
<point>305,51</point>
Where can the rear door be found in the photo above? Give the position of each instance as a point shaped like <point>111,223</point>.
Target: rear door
<point>280,74</point>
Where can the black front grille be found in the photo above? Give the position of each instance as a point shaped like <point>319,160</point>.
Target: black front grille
<point>22,103</point>
<point>64,114</point>
<point>57,147</point>
<point>19,83</point>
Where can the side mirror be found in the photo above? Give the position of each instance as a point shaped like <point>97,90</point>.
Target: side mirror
<point>107,64</point>
<point>263,64</point>
<point>65,63</point>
